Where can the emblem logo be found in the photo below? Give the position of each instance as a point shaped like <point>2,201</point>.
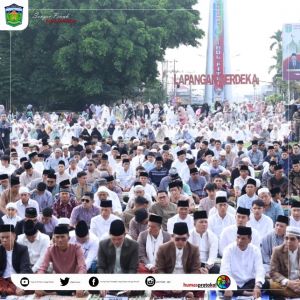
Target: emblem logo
<point>14,15</point>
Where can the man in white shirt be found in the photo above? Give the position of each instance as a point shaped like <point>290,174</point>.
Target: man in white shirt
<point>125,175</point>
<point>240,181</point>
<point>5,166</point>
<point>295,214</point>
<point>222,219</point>
<point>181,216</point>
<point>228,235</point>
<point>206,241</point>
<point>100,224</point>
<point>11,217</point>
<point>230,209</point>
<point>25,202</point>
<point>181,166</point>
<point>247,199</point>
<point>262,223</point>
<point>149,188</point>
<point>89,244</point>
<point>103,193</point>
<point>243,262</point>
<point>4,182</point>
<point>61,174</point>
<point>139,158</point>
<point>73,168</point>
<point>29,175</point>
<point>36,242</point>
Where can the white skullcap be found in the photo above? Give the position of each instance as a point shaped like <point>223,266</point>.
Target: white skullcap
<point>103,189</point>
<point>223,152</point>
<point>138,188</point>
<point>221,194</point>
<point>23,190</point>
<point>293,230</point>
<point>63,221</point>
<point>263,190</point>
<point>11,205</point>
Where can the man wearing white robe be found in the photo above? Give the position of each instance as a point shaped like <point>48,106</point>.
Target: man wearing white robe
<point>295,214</point>
<point>243,262</point>
<point>100,224</point>
<point>222,219</point>
<point>181,216</point>
<point>181,166</point>
<point>262,223</point>
<point>228,235</point>
<point>206,241</point>
<point>247,199</point>
<point>103,193</point>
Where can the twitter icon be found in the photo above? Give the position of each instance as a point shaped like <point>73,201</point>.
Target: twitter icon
<point>64,282</point>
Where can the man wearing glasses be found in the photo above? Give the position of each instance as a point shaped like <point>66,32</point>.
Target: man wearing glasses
<point>92,174</point>
<point>178,256</point>
<point>86,211</point>
<point>285,266</point>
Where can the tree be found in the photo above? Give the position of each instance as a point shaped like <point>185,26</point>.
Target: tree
<point>107,55</point>
<point>155,93</point>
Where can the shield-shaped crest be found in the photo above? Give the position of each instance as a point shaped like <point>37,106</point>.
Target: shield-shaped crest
<point>14,15</point>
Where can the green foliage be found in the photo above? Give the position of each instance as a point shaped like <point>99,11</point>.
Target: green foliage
<point>155,93</point>
<point>108,54</point>
<point>274,99</point>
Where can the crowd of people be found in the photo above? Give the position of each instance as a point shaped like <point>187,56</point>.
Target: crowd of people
<point>153,189</point>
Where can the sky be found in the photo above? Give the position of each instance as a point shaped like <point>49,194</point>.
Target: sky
<point>251,23</point>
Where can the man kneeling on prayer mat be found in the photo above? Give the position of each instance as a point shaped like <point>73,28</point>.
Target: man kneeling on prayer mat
<point>243,262</point>
<point>285,266</point>
<point>178,256</point>
<point>14,259</point>
<point>149,241</point>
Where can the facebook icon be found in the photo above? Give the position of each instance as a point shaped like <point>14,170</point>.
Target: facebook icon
<point>94,281</point>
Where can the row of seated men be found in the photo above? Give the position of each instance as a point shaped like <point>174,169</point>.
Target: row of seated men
<point>155,251</point>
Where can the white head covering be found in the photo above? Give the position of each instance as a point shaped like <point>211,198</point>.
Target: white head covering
<point>23,190</point>
<point>293,230</point>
